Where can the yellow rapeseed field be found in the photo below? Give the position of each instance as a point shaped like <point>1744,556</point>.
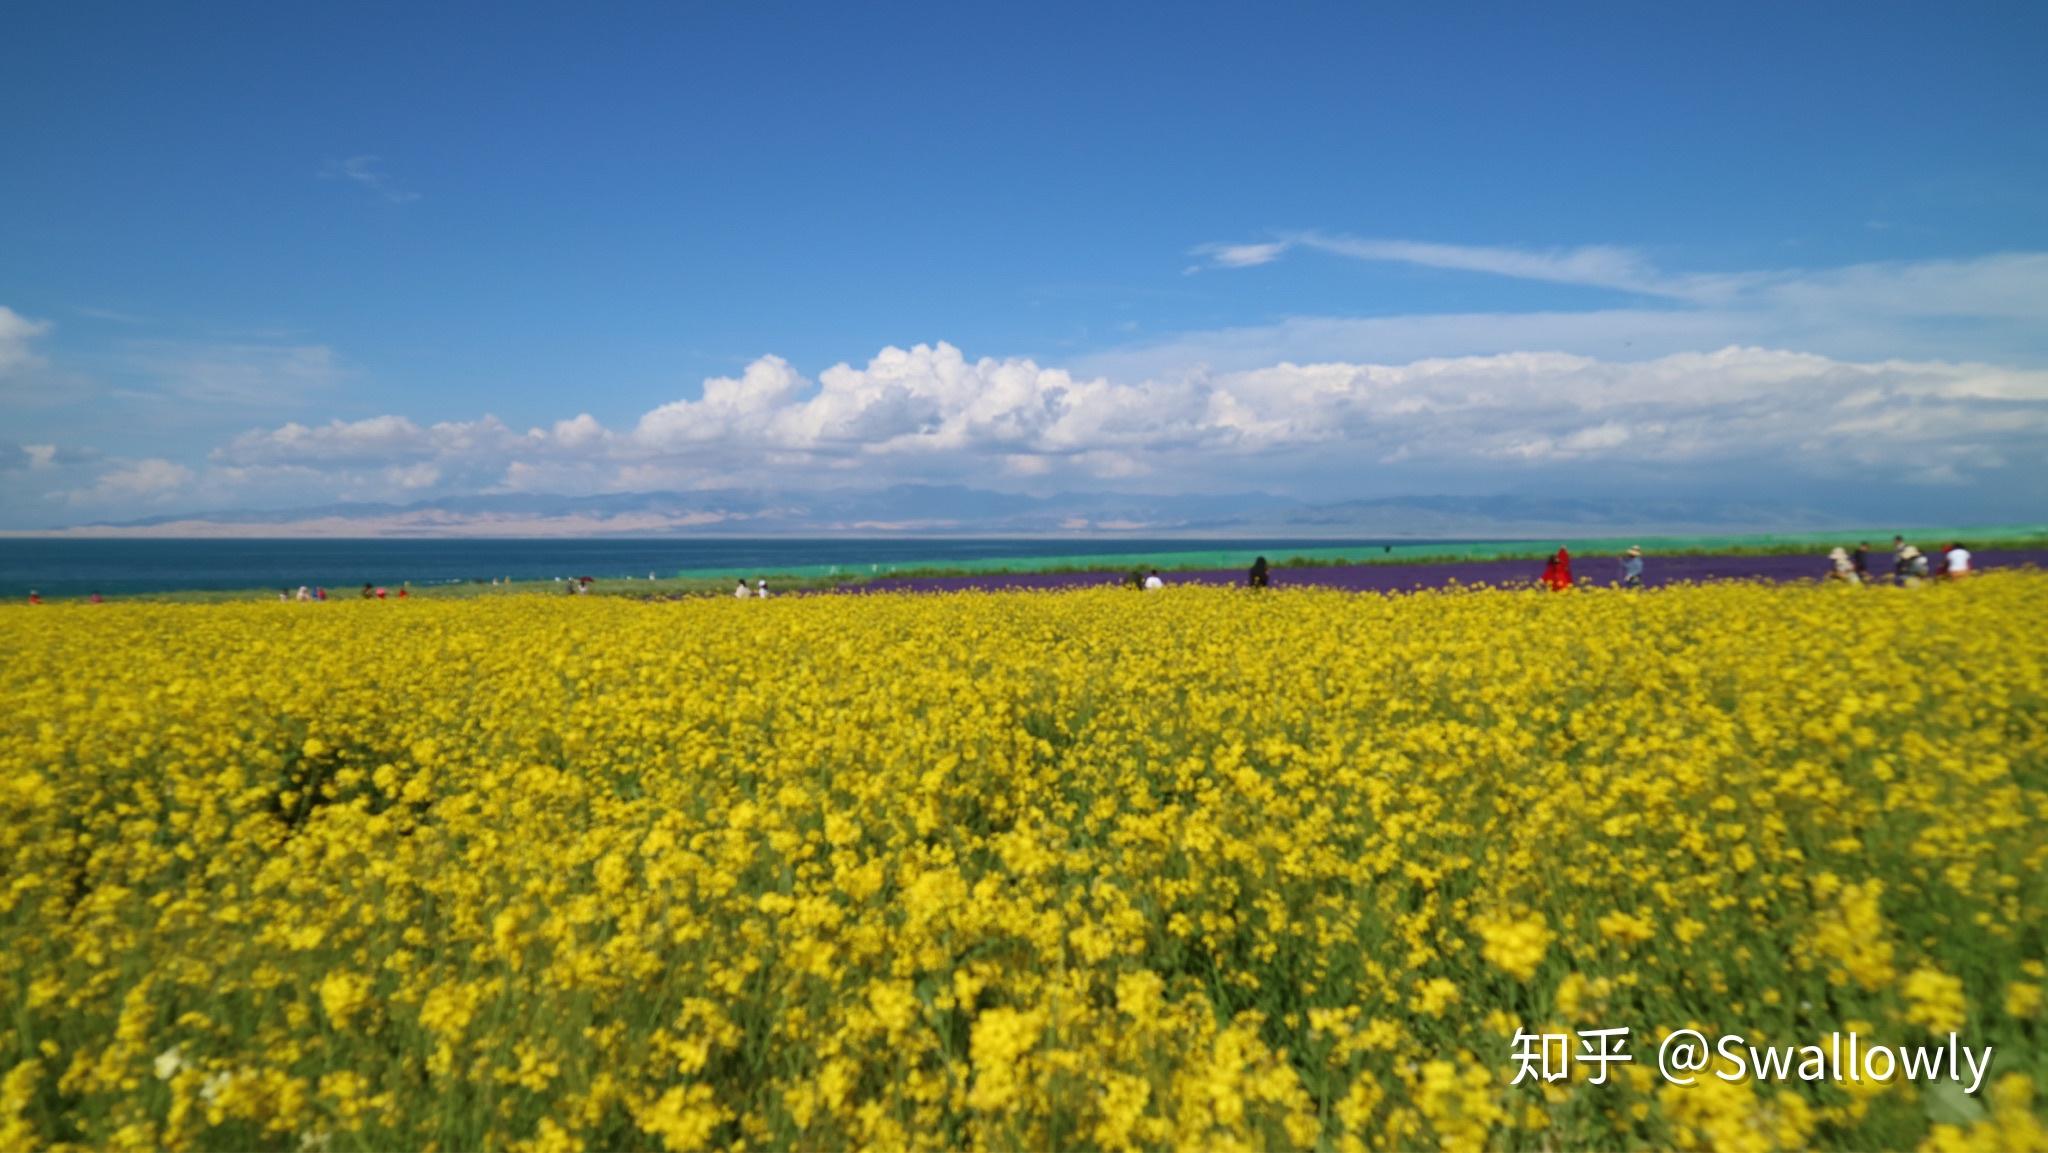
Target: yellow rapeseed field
<point>1203,868</point>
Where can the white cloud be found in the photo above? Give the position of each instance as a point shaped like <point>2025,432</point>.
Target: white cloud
<point>2011,286</point>
<point>412,477</point>
<point>1604,266</point>
<point>1992,307</point>
<point>1601,266</point>
<point>16,331</point>
<point>1242,255</point>
<point>368,172</point>
<point>145,482</point>
<point>385,439</point>
<point>929,413</point>
<point>729,407</point>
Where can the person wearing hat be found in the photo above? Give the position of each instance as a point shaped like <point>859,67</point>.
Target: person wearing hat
<point>1632,567</point>
<point>1912,566</point>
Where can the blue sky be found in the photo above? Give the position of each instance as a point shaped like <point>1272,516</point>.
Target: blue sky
<point>262,255</point>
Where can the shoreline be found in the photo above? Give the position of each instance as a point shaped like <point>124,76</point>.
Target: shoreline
<point>1198,564</point>
<point>1589,569</point>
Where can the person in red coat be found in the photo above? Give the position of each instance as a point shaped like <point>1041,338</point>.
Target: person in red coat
<point>1557,571</point>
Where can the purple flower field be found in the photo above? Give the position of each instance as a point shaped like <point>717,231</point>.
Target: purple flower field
<point>1597,570</point>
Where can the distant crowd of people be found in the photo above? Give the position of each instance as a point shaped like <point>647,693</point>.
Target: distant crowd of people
<point>1557,570</point>
<point>1910,566</point>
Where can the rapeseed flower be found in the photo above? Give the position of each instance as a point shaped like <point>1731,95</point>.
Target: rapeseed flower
<point>1011,870</point>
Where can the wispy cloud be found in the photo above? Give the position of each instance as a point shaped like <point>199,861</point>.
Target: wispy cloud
<point>235,375</point>
<point>1994,305</point>
<point>1241,255</point>
<point>368,172</point>
<point>1597,265</point>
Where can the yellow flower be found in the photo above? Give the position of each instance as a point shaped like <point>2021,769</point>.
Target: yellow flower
<point>343,995</point>
<point>1435,995</point>
<point>1006,870</point>
<point>1515,946</point>
<point>1001,1039</point>
<point>2022,1000</point>
<point>1935,1000</point>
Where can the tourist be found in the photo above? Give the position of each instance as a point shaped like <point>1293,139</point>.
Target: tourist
<point>369,590</point>
<point>97,599</point>
<point>1899,550</point>
<point>761,588</point>
<point>1958,561</point>
<point>1632,567</point>
<point>1153,583</point>
<point>34,597</point>
<point>1557,572</point>
<point>1258,578</point>
<point>1860,559</point>
<point>740,590</point>
<point>1911,567</point>
<point>1842,567</point>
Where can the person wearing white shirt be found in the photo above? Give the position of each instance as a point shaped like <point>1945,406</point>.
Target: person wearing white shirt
<point>761,589</point>
<point>1958,559</point>
<point>1153,582</point>
<point>740,590</point>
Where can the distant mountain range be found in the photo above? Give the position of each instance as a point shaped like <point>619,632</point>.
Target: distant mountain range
<point>952,510</point>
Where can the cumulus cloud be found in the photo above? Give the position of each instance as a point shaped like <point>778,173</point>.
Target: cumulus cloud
<point>740,407</point>
<point>930,413</point>
<point>16,331</point>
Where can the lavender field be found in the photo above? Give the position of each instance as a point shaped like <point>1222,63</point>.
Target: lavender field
<point>1596,570</point>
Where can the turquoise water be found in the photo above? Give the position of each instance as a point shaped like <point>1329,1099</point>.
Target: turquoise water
<point>67,567</point>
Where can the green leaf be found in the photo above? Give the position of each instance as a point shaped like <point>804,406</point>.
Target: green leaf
<point>1947,1103</point>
